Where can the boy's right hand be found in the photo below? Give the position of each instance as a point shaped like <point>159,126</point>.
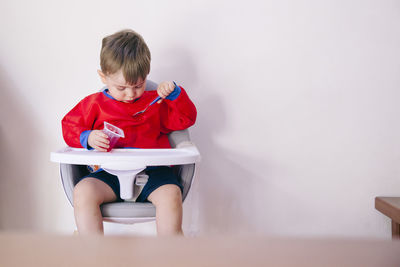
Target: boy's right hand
<point>98,140</point>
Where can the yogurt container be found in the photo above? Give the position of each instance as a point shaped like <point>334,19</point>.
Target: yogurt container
<point>114,133</point>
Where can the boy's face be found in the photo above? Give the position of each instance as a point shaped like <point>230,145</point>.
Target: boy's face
<point>120,89</point>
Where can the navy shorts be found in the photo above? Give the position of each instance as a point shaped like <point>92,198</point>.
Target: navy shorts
<point>158,176</point>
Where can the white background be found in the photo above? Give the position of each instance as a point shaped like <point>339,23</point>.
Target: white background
<point>298,105</point>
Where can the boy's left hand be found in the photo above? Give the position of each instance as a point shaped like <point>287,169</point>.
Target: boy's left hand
<point>164,89</point>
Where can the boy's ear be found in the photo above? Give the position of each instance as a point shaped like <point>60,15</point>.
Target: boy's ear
<point>102,76</point>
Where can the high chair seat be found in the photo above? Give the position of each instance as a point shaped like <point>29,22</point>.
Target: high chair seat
<point>128,212</point>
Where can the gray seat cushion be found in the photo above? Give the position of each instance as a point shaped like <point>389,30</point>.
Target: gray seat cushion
<point>128,210</point>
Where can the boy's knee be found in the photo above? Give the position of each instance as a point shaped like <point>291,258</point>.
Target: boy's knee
<point>169,194</point>
<point>85,193</point>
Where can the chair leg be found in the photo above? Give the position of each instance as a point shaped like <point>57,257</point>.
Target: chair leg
<point>395,230</point>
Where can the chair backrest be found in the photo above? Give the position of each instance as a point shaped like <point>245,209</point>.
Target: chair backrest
<point>150,85</point>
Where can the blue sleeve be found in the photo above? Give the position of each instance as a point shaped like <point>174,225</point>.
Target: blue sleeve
<point>174,95</point>
<point>84,139</point>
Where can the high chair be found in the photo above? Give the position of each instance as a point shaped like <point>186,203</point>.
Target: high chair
<point>126,164</point>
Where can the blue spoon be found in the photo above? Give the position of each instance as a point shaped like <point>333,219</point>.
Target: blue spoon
<point>142,111</point>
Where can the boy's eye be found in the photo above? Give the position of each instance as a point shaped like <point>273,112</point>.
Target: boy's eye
<point>139,86</point>
<point>120,88</point>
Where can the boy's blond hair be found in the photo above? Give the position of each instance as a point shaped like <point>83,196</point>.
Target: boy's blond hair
<point>127,51</point>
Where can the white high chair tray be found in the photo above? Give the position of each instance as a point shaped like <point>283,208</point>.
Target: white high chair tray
<point>147,157</point>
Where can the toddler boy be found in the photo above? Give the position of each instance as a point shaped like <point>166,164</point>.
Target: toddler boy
<point>125,64</point>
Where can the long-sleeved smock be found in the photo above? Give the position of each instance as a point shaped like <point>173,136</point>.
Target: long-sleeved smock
<point>147,130</point>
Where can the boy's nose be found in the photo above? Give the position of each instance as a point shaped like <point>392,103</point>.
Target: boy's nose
<point>130,93</point>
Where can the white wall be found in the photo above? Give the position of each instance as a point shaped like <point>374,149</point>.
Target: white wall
<point>297,100</point>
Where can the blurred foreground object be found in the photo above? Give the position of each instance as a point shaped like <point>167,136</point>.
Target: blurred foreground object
<point>18,249</point>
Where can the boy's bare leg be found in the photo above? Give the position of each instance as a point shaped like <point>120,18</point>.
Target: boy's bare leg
<point>168,202</point>
<point>89,194</point>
